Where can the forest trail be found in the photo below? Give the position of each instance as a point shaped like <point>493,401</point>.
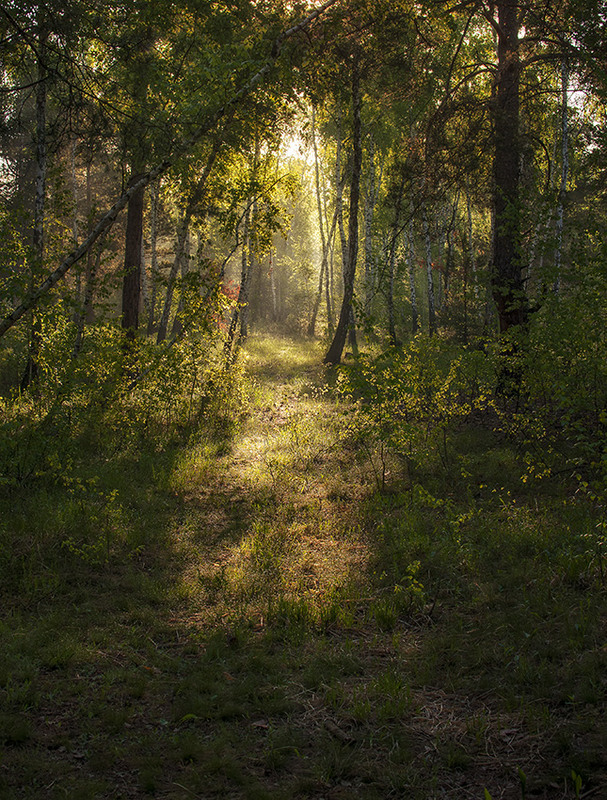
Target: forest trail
<point>267,625</point>
<point>287,552</point>
<point>280,504</point>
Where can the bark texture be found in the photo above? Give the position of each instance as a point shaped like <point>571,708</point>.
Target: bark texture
<point>335,351</point>
<point>506,280</point>
<point>131,284</point>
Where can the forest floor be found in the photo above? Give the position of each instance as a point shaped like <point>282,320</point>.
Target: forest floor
<point>286,623</point>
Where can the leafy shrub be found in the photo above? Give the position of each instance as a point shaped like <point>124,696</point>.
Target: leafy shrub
<point>407,400</point>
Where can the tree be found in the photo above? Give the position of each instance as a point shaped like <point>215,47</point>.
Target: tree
<point>194,128</point>
<point>334,353</point>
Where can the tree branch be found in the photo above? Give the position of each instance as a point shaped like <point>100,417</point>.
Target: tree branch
<point>110,216</point>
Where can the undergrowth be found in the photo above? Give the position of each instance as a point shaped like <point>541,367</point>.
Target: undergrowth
<point>225,586</point>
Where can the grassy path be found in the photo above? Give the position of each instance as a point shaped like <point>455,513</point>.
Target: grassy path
<point>284,632</point>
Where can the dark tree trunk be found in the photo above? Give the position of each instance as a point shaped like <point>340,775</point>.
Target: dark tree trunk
<point>131,285</point>
<point>506,280</point>
<point>335,351</point>
<point>30,374</point>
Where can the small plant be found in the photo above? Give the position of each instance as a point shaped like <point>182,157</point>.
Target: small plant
<point>577,782</point>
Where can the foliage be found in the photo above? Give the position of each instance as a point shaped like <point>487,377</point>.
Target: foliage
<point>409,400</point>
<point>239,611</point>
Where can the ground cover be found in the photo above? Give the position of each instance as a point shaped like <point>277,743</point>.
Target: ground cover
<point>264,617</point>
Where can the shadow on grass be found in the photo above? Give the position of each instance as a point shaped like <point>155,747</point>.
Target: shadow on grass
<point>245,617</point>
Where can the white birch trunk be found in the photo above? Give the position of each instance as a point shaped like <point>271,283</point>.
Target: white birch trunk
<point>471,251</point>
<point>153,256</point>
<point>368,223</point>
<point>410,256</point>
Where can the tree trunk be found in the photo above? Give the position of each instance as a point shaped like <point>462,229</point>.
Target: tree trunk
<point>92,271</point>
<point>390,298</point>
<point>335,351</point>
<point>232,340</point>
<point>471,254</point>
<point>153,257</point>
<point>411,271</point>
<point>339,183</point>
<point>131,285</point>
<point>182,236</point>
<point>321,228</point>
<point>392,260</point>
<point>506,280</point>
<point>30,374</point>
<point>324,277</point>
<point>74,188</point>
<point>177,326</point>
<point>248,263</point>
<point>317,299</point>
<point>370,201</point>
<point>564,175</point>
<point>89,287</point>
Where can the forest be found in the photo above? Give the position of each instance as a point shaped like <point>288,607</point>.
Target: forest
<point>303,399</point>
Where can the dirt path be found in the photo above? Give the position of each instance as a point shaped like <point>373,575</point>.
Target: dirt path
<point>279,509</point>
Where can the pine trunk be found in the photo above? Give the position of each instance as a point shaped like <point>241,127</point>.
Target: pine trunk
<point>507,282</point>
<point>131,285</point>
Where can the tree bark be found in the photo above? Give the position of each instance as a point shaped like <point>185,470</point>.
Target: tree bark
<point>335,351</point>
<point>30,374</point>
<point>396,228</point>
<point>131,284</point>
<point>411,271</point>
<point>233,340</point>
<point>89,290</point>
<point>153,258</point>
<point>177,326</point>
<point>371,196</point>
<point>323,278</point>
<point>506,280</point>
<point>182,236</point>
<point>323,239</point>
<point>558,252</point>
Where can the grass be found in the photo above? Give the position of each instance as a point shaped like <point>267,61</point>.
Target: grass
<point>239,612</point>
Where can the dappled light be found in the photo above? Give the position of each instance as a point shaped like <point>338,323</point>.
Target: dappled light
<point>254,610</point>
<point>303,401</point>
